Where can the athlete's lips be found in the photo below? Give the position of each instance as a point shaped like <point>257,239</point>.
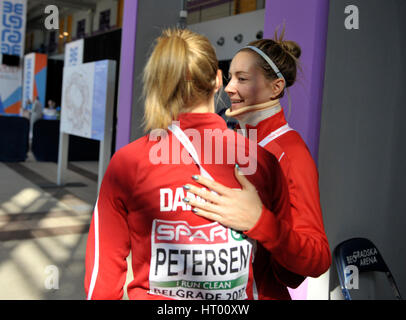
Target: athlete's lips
<point>236,104</point>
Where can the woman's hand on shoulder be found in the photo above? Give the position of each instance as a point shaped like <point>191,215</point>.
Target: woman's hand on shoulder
<point>239,209</point>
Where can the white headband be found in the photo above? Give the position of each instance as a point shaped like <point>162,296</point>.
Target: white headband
<point>267,59</point>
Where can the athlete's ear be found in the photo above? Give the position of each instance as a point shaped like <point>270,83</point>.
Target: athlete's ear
<point>219,80</point>
<point>277,87</point>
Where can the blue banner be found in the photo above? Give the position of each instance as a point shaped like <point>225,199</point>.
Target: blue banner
<point>12,26</point>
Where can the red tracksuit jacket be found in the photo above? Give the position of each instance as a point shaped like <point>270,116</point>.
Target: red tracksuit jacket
<point>175,253</point>
<point>309,241</point>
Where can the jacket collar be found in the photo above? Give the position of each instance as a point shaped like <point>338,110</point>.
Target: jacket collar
<point>201,121</point>
<point>268,125</point>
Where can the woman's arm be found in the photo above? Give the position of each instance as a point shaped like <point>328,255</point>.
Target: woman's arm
<point>303,251</point>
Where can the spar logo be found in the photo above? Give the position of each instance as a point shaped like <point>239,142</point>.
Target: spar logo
<point>180,232</point>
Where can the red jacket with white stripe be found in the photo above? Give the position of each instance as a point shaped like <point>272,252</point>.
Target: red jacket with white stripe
<point>306,230</point>
<point>175,253</point>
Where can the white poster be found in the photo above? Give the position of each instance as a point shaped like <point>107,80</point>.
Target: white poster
<point>85,100</point>
<point>77,97</point>
<point>74,53</point>
<point>203,262</point>
<point>87,110</point>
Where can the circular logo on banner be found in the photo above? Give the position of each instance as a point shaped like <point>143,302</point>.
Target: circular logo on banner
<point>238,235</point>
<point>77,104</point>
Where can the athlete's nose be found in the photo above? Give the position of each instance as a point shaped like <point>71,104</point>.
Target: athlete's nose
<point>230,88</point>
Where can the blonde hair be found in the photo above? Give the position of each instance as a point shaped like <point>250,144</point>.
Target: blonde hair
<point>181,71</point>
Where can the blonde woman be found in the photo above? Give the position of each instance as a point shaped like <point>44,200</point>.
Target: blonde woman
<point>143,205</point>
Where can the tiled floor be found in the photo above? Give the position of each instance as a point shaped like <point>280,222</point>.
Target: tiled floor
<point>43,229</point>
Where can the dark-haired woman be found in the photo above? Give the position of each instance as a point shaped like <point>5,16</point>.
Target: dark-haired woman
<point>259,74</point>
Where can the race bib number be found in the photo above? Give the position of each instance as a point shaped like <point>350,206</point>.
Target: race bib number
<point>208,262</point>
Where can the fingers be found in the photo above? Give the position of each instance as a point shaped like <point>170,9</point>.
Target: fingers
<point>203,193</point>
<point>212,185</point>
<point>200,205</point>
<point>245,183</point>
<point>208,215</point>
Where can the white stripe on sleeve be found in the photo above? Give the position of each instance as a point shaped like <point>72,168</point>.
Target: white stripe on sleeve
<point>96,252</point>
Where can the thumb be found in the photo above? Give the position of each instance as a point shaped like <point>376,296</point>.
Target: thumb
<point>242,179</point>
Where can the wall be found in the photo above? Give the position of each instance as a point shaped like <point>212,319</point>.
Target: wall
<point>224,10</point>
<point>41,36</point>
<point>362,151</point>
<point>220,11</point>
<point>105,5</point>
<point>150,22</point>
<point>80,15</point>
<point>247,24</point>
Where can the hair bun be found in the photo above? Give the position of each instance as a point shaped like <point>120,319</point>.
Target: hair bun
<point>292,47</point>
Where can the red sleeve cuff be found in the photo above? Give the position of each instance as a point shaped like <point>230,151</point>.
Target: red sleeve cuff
<point>266,230</point>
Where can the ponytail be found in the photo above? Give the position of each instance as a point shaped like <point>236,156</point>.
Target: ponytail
<point>181,69</point>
